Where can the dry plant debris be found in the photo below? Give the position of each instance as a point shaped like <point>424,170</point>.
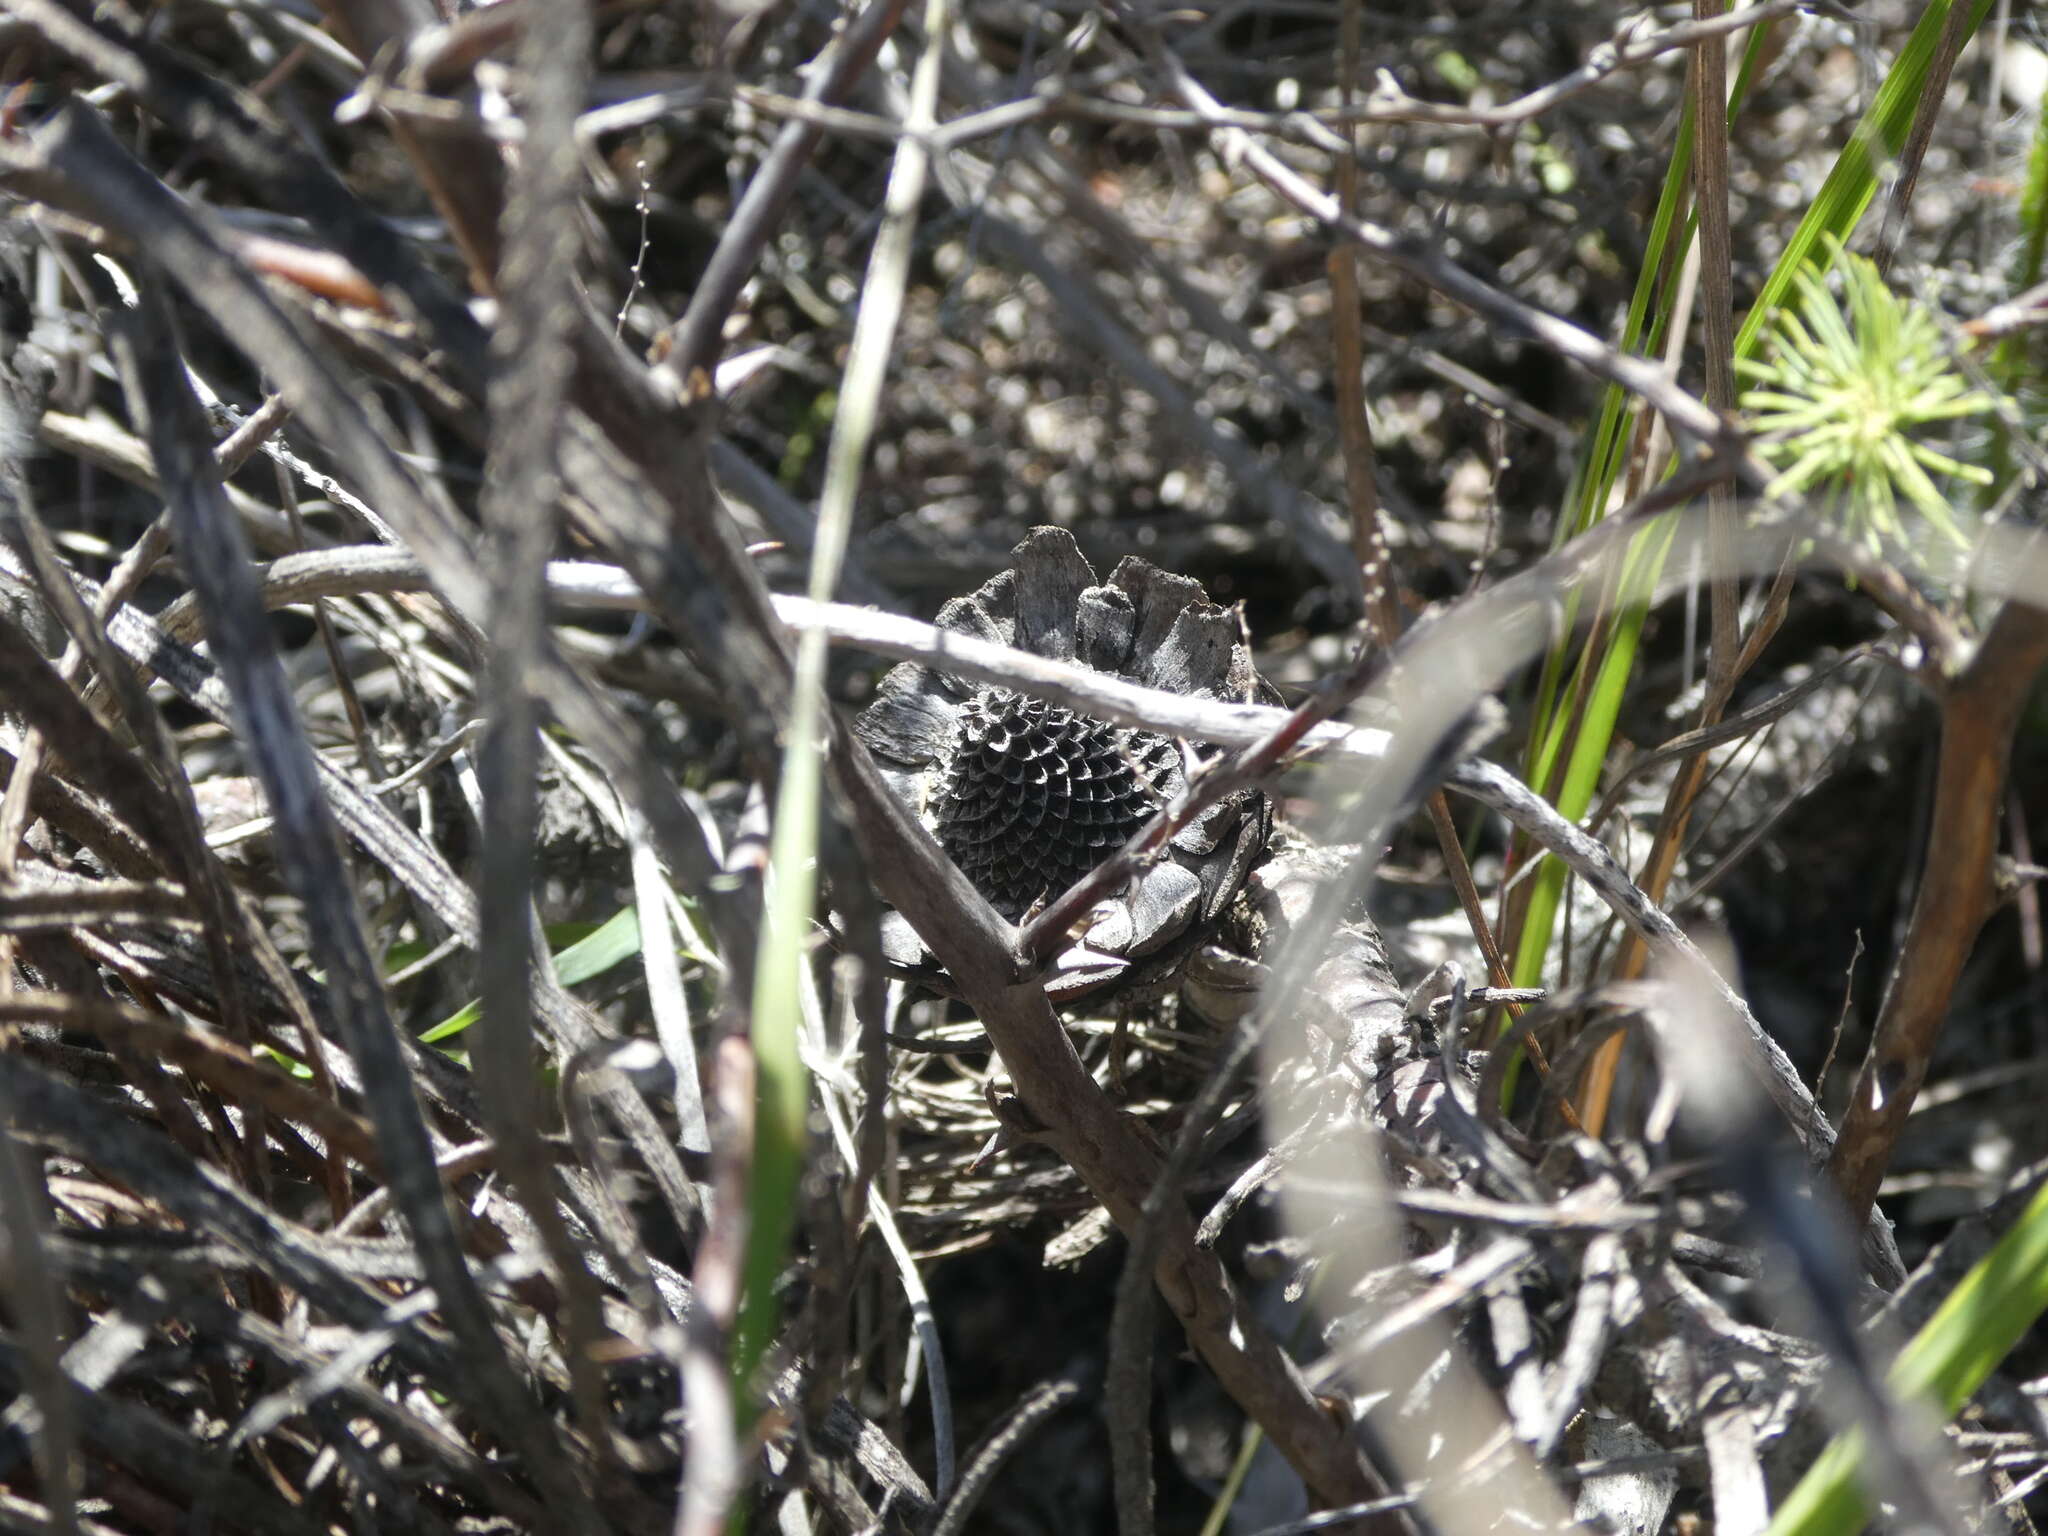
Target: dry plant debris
<point>411,421</point>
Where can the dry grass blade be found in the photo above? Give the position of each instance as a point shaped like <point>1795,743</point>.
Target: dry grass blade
<point>310,853</point>
<point>529,378</point>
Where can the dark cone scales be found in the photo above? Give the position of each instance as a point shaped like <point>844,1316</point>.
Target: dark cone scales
<point>1035,796</point>
<point>1028,796</point>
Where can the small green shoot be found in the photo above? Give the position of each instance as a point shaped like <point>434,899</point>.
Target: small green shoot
<point>590,950</point>
<point>290,1063</point>
<point>1840,396</point>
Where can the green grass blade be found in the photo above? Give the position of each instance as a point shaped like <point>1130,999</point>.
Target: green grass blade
<point>1843,197</point>
<point>783,1103</point>
<point>1596,726</point>
<point>590,952</point>
<point>2026,268</point>
<point>2013,359</point>
<point>1649,309</point>
<point>1853,182</point>
<point>1984,1317</point>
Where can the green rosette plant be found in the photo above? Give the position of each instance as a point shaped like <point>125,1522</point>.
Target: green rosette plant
<point>1842,399</point>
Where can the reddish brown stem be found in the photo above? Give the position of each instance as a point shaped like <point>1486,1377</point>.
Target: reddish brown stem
<point>1979,712</point>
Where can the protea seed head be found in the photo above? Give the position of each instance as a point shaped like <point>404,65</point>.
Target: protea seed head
<point>1034,796</point>
<point>1028,796</point>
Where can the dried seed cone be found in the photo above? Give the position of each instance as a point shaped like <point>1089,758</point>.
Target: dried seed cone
<point>1028,796</point>
<point>1035,795</point>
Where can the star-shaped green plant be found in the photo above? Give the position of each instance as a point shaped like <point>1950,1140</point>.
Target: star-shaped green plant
<point>1840,395</point>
